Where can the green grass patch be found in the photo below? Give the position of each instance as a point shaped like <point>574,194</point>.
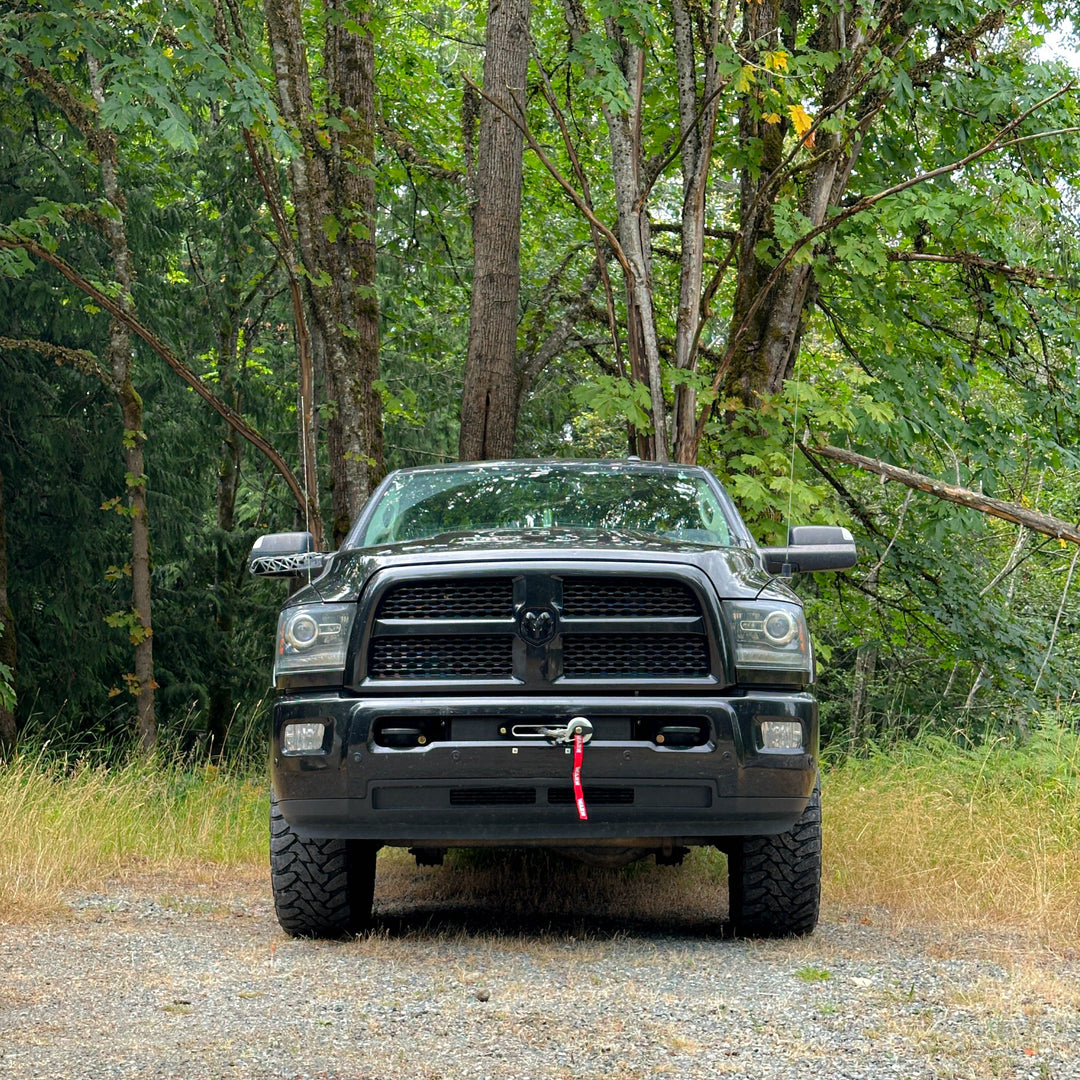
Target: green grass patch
<point>950,832</point>
<point>75,824</point>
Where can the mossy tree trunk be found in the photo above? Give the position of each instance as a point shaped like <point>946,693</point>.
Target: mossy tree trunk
<point>7,633</point>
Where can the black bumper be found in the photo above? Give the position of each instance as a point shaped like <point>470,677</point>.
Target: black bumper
<point>473,783</point>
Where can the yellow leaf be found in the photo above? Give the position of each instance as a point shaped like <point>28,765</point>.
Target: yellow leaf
<point>776,61</point>
<point>744,79</point>
<point>771,118</point>
<point>801,119</point>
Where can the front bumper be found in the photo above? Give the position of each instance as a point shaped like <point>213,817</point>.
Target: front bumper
<point>474,783</point>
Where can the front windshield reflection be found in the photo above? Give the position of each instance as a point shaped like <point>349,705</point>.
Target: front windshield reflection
<point>424,504</point>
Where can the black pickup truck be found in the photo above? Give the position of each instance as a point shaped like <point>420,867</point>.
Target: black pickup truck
<point>589,656</point>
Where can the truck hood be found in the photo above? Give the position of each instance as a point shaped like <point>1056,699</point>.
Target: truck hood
<point>734,571</point>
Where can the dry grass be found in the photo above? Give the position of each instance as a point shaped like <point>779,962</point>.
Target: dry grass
<point>984,836</point>
<point>74,825</point>
<point>518,891</point>
<point>933,833</point>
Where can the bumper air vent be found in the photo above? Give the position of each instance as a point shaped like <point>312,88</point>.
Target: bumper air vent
<point>493,796</point>
<point>623,796</point>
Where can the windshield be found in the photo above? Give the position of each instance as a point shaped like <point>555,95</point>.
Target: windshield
<point>429,502</point>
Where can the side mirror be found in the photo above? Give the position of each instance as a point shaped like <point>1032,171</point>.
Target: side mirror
<point>812,547</point>
<point>285,555</point>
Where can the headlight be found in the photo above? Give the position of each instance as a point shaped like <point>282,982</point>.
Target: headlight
<point>771,641</point>
<point>313,639</point>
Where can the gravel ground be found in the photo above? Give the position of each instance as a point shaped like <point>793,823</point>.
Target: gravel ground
<point>171,978</point>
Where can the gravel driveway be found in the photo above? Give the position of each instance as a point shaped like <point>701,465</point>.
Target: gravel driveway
<point>182,978</point>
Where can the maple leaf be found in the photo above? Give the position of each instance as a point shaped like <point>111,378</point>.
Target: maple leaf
<point>776,61</point>
<point>800,118</point>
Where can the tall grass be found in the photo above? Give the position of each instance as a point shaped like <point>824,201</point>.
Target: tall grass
<point>931,830</point>
<point>986,834</point>
<point>74,824</point>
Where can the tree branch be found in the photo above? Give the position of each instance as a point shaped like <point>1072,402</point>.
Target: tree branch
<point>86,363</point>
<point>124,316</point>
<point>1035,520</point>
<point>998,142</point>
<point>1028,274</point>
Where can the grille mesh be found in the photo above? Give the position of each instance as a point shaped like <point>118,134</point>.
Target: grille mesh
<point>441,658</point>
<point>492,598</point>
<point>627,598</point>
<point>647,656</point>
<point>593,796</point>
<point>495,796</point>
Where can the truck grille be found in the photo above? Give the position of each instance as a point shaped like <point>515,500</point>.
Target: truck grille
<point>538,628</point>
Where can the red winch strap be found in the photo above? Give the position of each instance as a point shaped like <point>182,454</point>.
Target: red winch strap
<point>579,794</point>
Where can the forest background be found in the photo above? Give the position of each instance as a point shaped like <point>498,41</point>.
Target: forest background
<point>251,256</point>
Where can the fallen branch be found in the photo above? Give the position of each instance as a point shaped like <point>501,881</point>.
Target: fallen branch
<point>1038,522</point>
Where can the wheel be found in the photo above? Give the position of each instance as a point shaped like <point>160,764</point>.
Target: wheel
<point>774,882</point>
<point>322,888</point>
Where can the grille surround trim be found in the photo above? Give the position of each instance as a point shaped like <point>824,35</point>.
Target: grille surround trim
<point>390,614</point>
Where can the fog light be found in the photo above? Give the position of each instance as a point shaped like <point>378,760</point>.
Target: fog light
<point>781,735</point>
<point>302,738</point>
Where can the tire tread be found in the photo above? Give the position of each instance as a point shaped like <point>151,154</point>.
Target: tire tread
<point>322,887</point>
<point>775,881</point>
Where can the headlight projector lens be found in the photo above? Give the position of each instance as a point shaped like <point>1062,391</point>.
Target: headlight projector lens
<point>780,627</point>
<point>302,632</point>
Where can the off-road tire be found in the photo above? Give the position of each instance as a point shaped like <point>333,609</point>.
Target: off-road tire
<point>774,882</point>
<point>322,888</point>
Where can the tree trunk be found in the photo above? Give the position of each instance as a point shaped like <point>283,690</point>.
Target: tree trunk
<point>756,342</point>
<point>7,632</point>
<point>865,667</point>
<point>633,228</point>
<point>220,690</point>
<point>142,683</point>
<point>635,237</point>
<point>771,308</point>
<point>118,364</point>
<point>333,195</point>
<point>697,124</point>
<point>489,401</point>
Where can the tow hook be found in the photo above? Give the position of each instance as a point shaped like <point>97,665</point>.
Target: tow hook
<point>576,734</point>
<point>557,736</point>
